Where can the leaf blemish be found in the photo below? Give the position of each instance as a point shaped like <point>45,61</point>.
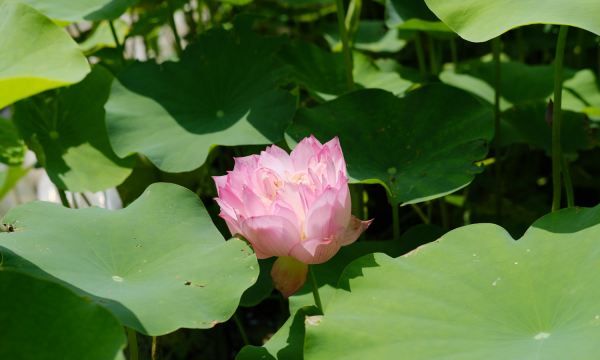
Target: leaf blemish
<point>189,283</point>
<point>7,228</point>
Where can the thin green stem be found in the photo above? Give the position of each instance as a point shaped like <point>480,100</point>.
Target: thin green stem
<point>496,50</point>
<point>420,53</point>
<point>454,53</point>
<point>315,289</point>
<point>433,61</point>
<point>63,198</point>
<point>132,344</point>
<point>178,45</point>
<point>240,327</point>
<point>395,221</point>
<point>153,350</point>
<point>420,213</point>
<point>566,171</point>
<point>557,117</point>
<point>345,44</point>
<point>120,46</point>
<point>444,213</point>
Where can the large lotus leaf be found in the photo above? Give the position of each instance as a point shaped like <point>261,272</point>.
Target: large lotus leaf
<point>420,147</point>
<point>12,146</point>
<point>68,133</point>
<point>474,294</point>
<point>93,10</point>
<point>158,265</point>
<point>482,20</point>
<point>37,55</point>
<point>222,92</point>
<point>42,320</point>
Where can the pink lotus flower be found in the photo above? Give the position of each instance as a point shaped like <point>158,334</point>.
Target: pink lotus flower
<point>295,206</point>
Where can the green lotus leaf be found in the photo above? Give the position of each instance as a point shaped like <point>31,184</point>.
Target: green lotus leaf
<point>473,294</point>
<point>92,10</point>
<point>68,133</point>
<point>482,20</point>
<point>222,92</point>
<point>31,64</point>
<point>61,324</point>
<point>420,147</point>
<point>157,265</point>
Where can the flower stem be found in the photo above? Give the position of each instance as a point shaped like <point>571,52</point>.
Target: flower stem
<point>557,117</point>
<point>153,350</point>
<point>178,46</point>
<point>496,49</point>
<point>345,43</point>
<point>132,344</point>
<point>240,327</point>
<point>315,289</point>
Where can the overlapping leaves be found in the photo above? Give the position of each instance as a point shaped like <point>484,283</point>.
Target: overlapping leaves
<point>493,298</point>
<point>157,265</point>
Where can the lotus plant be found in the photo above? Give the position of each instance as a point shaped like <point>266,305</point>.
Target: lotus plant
<point>294,206</point>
